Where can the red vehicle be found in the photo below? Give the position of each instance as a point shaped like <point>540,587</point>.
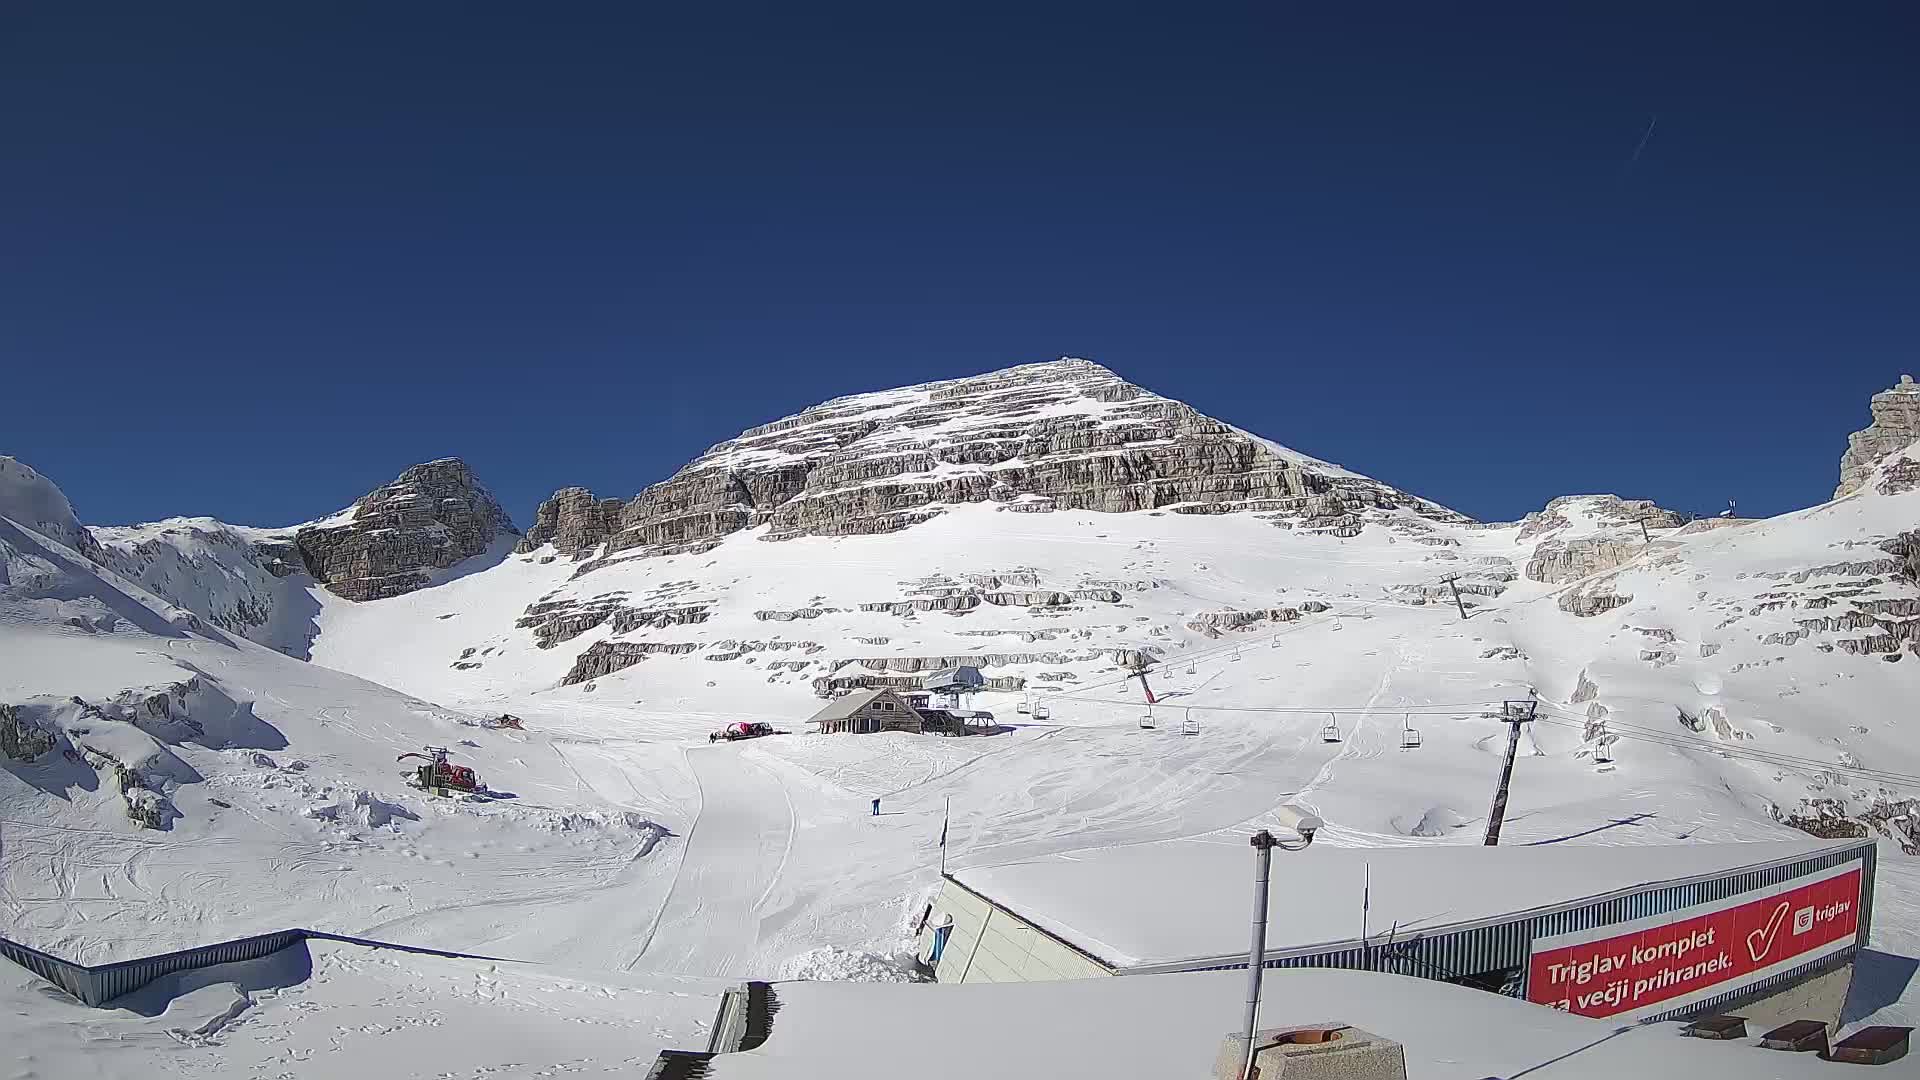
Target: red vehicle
<point>740,730</point>
<point>440,775</point>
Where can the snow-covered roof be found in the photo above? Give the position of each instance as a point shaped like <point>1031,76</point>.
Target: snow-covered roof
<point>844,706</point>
<point>1162,1026</point>
<point>1166,903</point>
<point>966,675</point>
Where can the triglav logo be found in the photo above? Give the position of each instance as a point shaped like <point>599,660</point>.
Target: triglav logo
<point>1760,942</point>
<point>1803,920</point>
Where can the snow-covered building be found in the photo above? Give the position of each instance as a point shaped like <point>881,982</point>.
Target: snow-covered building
<point>865,712</point>
<point>1638,931</point>
<point>1173,1025</point>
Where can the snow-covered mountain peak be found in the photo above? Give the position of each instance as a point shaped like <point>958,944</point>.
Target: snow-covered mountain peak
<point>37,503</point>
<point>434,521</point>
<point>1068,434</point>
<point>396,538</point>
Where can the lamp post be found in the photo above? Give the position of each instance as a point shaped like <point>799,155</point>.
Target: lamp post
<point>1263,845</point>
<point>1263,842</point>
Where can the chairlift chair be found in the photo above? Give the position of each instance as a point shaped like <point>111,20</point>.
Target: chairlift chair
<point>1188,725</point>
<point>1409,735</point>
<point>1331,733</point>
<point>1023,709</point>
<point>1189,667</point>
<point>1041,712</point>
<point>1146,721</point>
<point>1236,654</point>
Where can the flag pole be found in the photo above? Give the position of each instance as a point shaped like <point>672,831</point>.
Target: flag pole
<point>945,817</point>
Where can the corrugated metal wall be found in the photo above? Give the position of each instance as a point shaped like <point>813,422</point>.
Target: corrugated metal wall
<point>100,984</point>
<point>65,974</point>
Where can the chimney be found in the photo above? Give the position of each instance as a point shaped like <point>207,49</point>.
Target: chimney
<point>1329,1051</point>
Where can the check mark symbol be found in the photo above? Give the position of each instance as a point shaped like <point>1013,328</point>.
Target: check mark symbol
<point>1760,942</point>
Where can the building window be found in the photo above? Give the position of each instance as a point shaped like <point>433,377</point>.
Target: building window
<point>887,705</point>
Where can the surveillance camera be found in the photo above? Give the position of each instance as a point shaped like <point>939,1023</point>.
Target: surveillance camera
<point>1300,821</point>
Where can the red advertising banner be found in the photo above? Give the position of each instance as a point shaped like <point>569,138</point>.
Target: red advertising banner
<point>1729,942</point>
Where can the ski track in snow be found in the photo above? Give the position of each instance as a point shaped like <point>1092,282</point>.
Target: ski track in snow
<point>709,922</point>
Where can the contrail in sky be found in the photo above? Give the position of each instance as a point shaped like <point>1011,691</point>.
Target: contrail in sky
<point>1645,138</point>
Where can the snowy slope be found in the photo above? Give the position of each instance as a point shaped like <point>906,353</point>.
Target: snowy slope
<point>1698,681</point>
<point>167,784</point>
<point>225,573</point>
<point>1694,683</point>
<point>328,1009</point>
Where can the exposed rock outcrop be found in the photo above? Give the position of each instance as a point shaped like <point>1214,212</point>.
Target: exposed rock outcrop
<point>1601,511</point>
<point>796,613</point>
<point>20,738</point>
<point>1127,658</point>
<point>833,686</point>
<point>1895,426</point>
<point>1824,818</point>
<point>1905,548</point>
<point>629,619</point>
<point>1063,435</point>
<point>1213,623</point>
<point>1899,475</point>
<point>958,602</point>
<point>572,520</point>
<point>433,516</point>
<point>1557,562</point>
<point>1594,598</point>
<point>1585,689</point>
<point>555,621</point>
<point>1896,819</point>
<point>145,806</point>
<point>607,657</point>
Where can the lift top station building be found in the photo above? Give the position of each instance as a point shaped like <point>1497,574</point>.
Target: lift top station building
<point>1635,931</point>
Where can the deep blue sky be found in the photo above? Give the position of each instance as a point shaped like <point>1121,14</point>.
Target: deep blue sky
<point>256,259</point>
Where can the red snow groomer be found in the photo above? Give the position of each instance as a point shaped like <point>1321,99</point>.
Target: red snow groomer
<point>438,775</point>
